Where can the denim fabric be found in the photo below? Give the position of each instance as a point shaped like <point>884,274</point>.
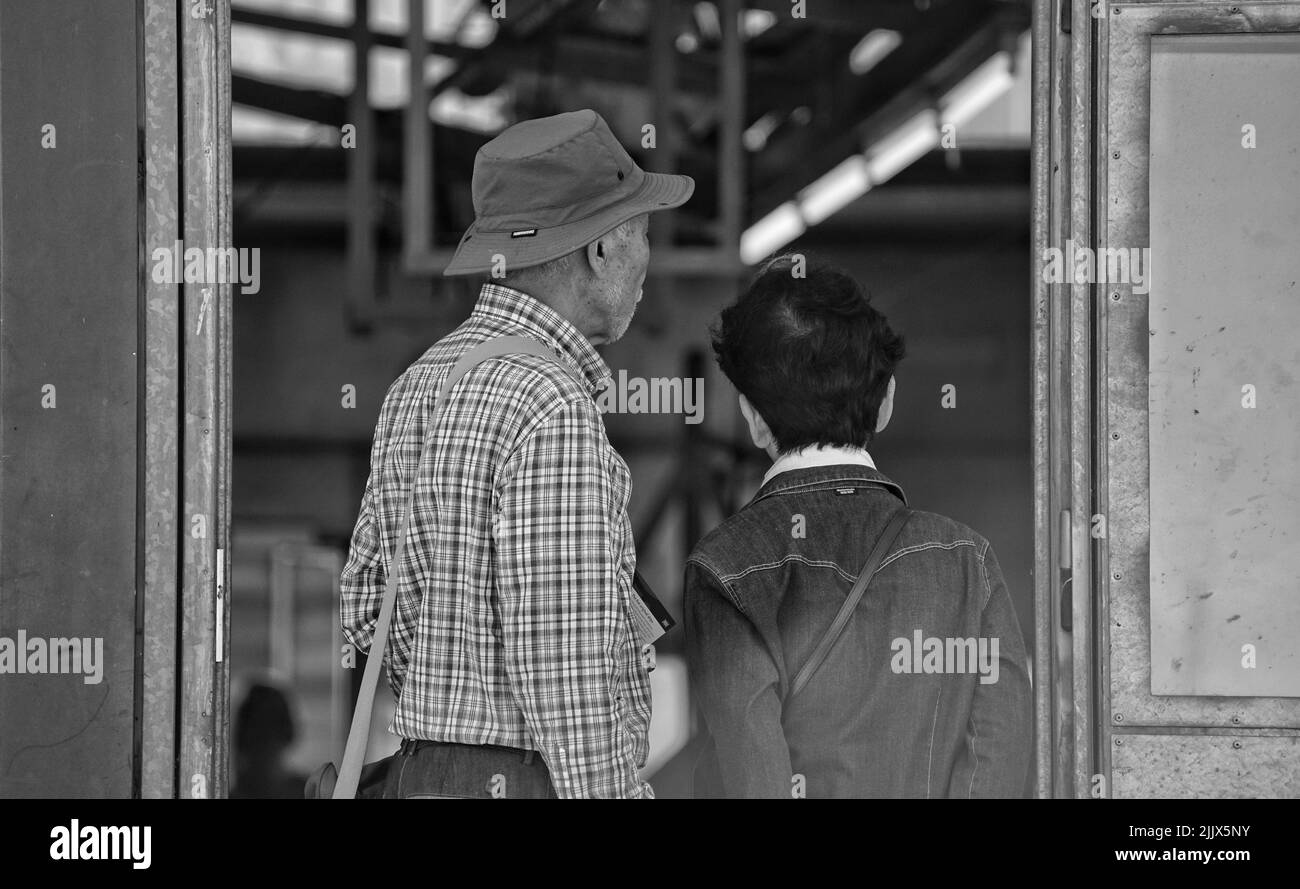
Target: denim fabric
<point>434,770</point>
<point>877,720</point>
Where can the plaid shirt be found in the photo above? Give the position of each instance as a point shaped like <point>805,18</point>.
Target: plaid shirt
<point>511,625</point>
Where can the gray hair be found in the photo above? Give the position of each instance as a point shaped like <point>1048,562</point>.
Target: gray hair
<point>546,273</point>
<point>559,269</point>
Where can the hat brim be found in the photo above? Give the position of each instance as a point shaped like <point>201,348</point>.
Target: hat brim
<point>658,191</point>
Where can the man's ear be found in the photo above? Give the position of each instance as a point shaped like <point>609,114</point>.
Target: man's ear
<point>598,255</point>
<point>759,431</point>
<point>886,408</point>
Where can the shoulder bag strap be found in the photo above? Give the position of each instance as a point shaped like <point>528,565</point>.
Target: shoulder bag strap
<point>850,605</point>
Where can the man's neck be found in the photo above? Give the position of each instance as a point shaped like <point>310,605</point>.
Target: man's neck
<point>565,302</point>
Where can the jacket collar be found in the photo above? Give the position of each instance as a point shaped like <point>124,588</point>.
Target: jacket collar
<point>816,478</point>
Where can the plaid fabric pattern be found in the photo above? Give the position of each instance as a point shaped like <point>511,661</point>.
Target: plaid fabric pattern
<point>511,624</point>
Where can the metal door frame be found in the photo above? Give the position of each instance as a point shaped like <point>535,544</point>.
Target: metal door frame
<point>183,624</point>
<point>1083,192</point>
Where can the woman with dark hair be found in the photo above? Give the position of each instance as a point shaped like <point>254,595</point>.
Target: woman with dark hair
<point>819,670</point>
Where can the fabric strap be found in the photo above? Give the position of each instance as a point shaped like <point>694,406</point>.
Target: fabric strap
<point>887,538</point>
<point>359,734</point>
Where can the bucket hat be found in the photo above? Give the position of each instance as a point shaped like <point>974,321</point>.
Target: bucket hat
<point>549,186</point>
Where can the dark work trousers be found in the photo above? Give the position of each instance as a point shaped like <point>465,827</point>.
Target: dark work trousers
<point>437,770</point>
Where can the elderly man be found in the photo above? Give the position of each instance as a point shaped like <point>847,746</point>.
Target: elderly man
<point>514,653</point>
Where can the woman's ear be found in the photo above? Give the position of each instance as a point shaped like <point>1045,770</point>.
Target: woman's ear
<point>758,428</point>
<point>886,408</point>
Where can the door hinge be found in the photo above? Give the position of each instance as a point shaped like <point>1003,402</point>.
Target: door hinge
<point>1065,547</point>
<point>1066,544</point>
<point>221,604</point>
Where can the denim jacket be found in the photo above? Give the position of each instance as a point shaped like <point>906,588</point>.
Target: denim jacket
<point>926,693</point>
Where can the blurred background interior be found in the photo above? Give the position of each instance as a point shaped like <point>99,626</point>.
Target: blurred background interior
<point>890,137</point>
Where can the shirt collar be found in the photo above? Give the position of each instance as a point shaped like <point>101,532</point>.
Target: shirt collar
<point>507,310</point>
<point>819,455</point>
<point>797,481</point>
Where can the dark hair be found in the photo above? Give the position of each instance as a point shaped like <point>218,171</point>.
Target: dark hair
<point>810,353</point>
